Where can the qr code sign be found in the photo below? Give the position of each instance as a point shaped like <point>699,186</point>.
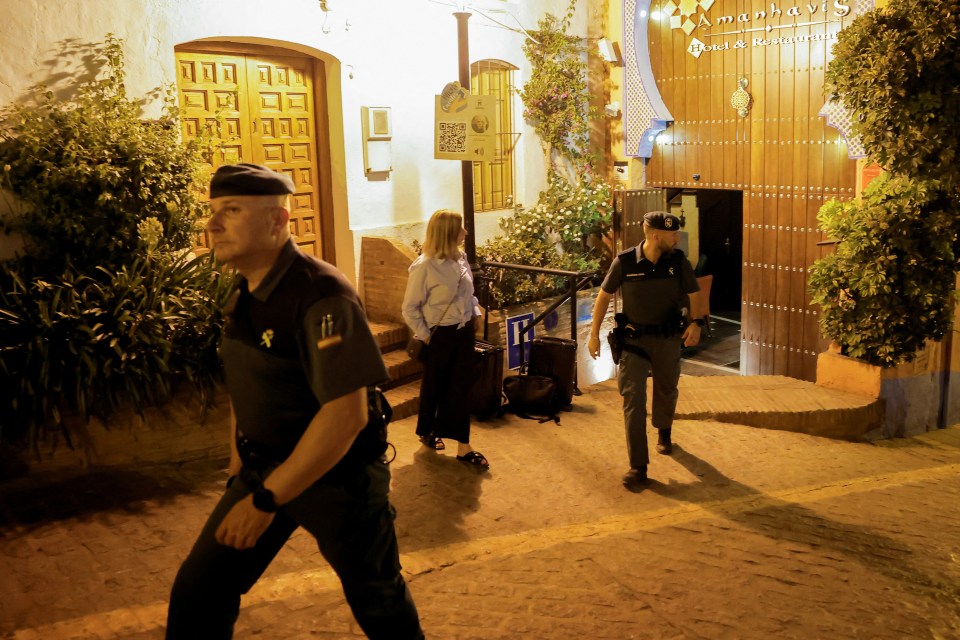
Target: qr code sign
<point>453,137</point>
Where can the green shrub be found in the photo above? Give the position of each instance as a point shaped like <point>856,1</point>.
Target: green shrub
<point>896,69</point>
<point>104,306</point>
<point>83,344</point>
<point>889,286</point>
<point>553,234</point>
<point>86,170</point>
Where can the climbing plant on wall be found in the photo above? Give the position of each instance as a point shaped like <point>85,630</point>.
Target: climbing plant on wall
<point>556,98</point>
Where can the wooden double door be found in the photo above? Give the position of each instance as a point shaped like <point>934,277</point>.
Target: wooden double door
<point>262,107</point>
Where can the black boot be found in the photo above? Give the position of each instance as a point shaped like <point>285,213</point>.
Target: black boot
<point>664,445</point>
<point>635,479</point>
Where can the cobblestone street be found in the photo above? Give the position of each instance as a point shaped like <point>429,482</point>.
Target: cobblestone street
<point>743,533</point>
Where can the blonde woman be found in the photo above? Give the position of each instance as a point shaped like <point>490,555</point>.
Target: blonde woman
<point>440,309</point>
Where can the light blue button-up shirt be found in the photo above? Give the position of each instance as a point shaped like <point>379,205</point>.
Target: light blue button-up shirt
<point>431,286</point>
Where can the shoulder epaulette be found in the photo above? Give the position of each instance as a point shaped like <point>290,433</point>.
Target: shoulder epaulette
<point>630,255</point>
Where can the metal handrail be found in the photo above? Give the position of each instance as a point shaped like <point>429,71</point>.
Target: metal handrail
<point>577,280</point>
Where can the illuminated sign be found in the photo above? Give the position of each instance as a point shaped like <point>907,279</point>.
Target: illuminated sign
<point>694,16</point>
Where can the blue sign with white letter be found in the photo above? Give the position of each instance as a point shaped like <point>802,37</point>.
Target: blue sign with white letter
<point>514,325</point>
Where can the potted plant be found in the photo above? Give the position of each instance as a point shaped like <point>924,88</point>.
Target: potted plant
<point>886,291</point>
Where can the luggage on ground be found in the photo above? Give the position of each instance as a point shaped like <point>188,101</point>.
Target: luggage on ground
<point>485,391</point>
<point>555,358</point>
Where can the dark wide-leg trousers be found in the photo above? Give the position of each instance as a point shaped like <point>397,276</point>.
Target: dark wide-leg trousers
<point>661,358</point>
<point>447,375</point>
<point>353,525</point>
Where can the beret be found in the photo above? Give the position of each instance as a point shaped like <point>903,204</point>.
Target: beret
<point>661,220</point>
<point>249,180</point>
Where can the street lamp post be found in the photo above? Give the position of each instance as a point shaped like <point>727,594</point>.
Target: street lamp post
<point>466,166</point>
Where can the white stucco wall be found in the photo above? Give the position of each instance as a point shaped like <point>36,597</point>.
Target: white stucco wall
<point>400,53</point>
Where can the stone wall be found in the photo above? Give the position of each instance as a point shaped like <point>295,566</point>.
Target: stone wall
<point>179,431</point>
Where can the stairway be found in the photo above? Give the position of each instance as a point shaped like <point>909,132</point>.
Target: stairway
<point>403,389</point>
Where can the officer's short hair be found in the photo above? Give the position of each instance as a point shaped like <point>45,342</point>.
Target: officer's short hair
<point>661,220</point>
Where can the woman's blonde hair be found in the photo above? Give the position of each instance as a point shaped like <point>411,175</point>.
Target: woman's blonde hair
<point>443,231</point>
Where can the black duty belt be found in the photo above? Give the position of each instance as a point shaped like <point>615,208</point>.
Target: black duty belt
<point>671,327</point>
<point>256,456</point>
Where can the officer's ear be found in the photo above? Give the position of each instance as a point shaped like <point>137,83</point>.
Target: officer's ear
<point>279,210</point>
<point>283,218</point>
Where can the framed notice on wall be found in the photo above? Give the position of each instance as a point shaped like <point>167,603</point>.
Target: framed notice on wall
<point>464,126</point>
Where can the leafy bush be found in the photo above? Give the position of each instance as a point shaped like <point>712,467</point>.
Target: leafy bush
<point>85,343</point>
<point>896,69</point>
<point>87,169</point>
<point>105,306</point>
<point>553,235</point>
<point>890,284</point>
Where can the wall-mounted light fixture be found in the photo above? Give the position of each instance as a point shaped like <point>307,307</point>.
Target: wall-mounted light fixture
<point>609,51</point>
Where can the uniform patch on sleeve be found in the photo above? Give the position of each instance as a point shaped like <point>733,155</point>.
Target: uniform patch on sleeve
<point>329,341</point>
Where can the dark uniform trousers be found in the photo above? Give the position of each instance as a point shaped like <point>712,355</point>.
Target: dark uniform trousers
<point>447,376</point>
<point>352,522</point>
<point>661,359</point>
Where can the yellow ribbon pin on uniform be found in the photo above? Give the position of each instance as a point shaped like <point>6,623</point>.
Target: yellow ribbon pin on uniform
<point>266,338</point>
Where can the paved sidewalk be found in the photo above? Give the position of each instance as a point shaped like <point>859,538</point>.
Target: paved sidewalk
<point>743,533</point>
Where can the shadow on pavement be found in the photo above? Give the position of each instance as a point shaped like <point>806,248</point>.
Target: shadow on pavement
<point>782,520</point>
<point>30,502</point>
<point>437,491</point>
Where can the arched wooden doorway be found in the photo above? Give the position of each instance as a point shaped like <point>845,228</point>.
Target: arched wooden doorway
<point>777,149</point>
<point>268,107</point>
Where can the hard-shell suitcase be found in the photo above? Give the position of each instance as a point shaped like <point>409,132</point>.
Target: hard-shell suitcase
<point>556,358</point>
<point>485,391</point>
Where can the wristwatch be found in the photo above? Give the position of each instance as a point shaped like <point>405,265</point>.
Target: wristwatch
<point>263,500</point>
<point>697,321</point>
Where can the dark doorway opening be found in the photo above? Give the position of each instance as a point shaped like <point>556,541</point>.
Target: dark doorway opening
<point>721,247</point>
<point>713,222</point>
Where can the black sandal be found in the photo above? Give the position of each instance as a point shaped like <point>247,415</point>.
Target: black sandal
<point>475,459</point>
<point>432,442</point>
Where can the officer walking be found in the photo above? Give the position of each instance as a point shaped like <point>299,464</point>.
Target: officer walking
<point>307,436</point>
<point>658,288</point>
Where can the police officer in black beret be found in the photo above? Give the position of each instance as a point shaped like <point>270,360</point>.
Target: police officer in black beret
<point>306,438</point>
<point>658,288</point>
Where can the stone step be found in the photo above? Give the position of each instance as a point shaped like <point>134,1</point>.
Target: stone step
<point>403,389</point>
<point>401,368</point>
<point>404,399</point>
<point>390,336</point>
<point>778,402</point>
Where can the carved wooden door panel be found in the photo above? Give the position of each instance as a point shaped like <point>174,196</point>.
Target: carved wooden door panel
<point>262,109</point>
<point>281,96</point>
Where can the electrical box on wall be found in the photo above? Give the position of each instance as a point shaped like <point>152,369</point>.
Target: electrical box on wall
<point>377,126</point>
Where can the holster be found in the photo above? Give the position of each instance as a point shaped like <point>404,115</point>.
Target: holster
<point>615,337</point>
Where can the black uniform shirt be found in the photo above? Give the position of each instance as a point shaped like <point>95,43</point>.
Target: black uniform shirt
<point>652,293</point>
<point>299,340</point>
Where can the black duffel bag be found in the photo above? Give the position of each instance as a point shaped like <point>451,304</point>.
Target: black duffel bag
<point>531,396</point>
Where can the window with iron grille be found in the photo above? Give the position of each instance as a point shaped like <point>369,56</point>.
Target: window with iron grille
<point>493,181</point>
